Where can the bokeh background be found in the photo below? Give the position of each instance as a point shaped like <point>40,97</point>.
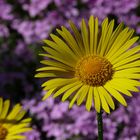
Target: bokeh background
<point>23,26</point>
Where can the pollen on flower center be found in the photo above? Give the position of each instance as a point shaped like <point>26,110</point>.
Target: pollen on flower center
<point>94,70</point>
<point>3,132</point>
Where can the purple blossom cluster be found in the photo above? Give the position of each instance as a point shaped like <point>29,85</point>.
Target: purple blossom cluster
<point>33,135</point>
<point>35,19</point>
<point>61,123</point>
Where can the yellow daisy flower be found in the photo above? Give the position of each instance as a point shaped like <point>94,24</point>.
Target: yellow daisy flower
<point>11,125</point>
<point>91,65</point>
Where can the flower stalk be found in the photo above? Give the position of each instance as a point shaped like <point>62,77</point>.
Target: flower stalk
<point>100,126</point>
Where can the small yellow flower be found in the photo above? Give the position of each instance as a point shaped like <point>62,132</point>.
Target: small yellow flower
<point>91,65</point>
<point>11,125</point>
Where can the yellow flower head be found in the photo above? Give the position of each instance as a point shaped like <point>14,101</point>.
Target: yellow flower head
<point>91,65</point>
<point>11,125</point>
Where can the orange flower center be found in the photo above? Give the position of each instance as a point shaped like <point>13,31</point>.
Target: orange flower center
<point>3,132</point>
<point>94,70</point>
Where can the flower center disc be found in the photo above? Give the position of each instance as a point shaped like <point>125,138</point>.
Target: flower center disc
<point>3,132</point>
<point>94,70</point>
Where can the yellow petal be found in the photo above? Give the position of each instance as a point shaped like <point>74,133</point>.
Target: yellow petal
<point>65,88</point>
<point>107,97</point>
<point>61,54</point>
<point>72,42</point>
<point>129,65</point>
<point>1,105</point>
<point>96,36</point>
<point>107,37</point>
<point>97,102</point>
<point>5,109</point>
<point>114,37</point>
<point>70,91</point>
<point>57,49</point>
<point>129,84</point>
<point>120,40</point>
<point>85,36</point>
<point>127,75</point>
<point>21,130</point>
<point>120,87</point>
<point>58,82</point>
<point>127,60</point>
<point>63,46</point>
<point>56,64</point>
<point>83,94</point>
<point>103,37</point>
<point>103,100</point>
<point>115,94</point>
<point>91,30</point>
<point>89,99</point>
<point>128,71</point>
<point>51,68</point>
<point>78,37</point>
<point>15,137</point>
<point>14,112</point>
<point>20,115</point>
<point>59,59</point>
<point>121,54</point>
<point>44,74</point>
<point>75,96</point>
<point>48,93</point>
<point>128,81</point>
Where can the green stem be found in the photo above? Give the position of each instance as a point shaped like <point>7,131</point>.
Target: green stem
<point>100,126</point>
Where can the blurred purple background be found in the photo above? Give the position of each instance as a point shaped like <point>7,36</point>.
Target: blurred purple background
<point>23,26</point>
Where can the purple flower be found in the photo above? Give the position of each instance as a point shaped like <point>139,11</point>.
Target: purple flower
<point>4,31</point>
<point>36,6</point>
<point>6,10</point>
<point>33,135</point>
